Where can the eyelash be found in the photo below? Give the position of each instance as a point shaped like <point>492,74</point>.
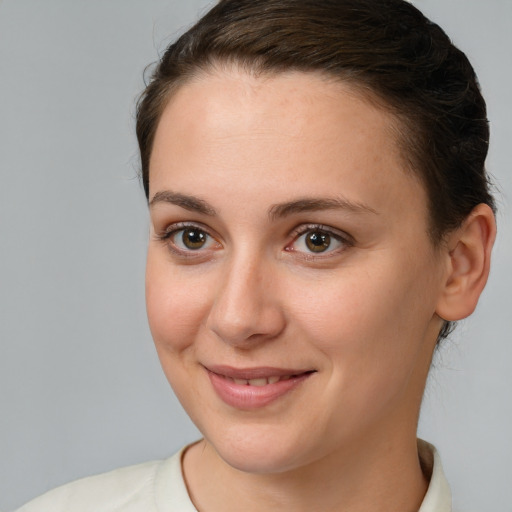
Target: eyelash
<point>343,239</point>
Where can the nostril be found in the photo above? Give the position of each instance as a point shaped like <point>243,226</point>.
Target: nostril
<point>258,327</point>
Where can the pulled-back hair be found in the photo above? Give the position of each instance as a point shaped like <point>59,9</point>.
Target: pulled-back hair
<point>387,49</point>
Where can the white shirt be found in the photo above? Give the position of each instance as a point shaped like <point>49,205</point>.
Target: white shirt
<point>159,486</point>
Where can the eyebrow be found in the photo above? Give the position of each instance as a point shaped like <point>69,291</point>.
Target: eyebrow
<point>308,204</point>
<point>191,203</point>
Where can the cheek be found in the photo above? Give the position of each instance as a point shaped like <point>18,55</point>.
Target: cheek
<point>371,328</point>
<point>175,306</point>
<point>377,315</point>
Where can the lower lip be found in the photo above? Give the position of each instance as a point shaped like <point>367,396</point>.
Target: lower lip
<point>243,396</point>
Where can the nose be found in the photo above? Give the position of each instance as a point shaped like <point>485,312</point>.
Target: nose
<point>246,310</point>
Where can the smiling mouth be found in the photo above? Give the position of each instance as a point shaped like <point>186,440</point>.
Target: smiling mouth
<point>264,381</point>
<point>254,388</point>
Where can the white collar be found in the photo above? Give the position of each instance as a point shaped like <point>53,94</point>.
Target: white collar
<point>439,496</point>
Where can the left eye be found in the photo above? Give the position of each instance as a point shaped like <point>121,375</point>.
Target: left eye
<point>317,241</point>
<point>191,239</point>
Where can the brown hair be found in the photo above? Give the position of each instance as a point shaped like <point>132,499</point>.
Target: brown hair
<point>386,48</point>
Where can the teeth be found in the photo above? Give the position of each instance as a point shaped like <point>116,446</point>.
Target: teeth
<point>258,382</point>
<point>263,381</point>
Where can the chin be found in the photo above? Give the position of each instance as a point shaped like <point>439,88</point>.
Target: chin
<point>260,449</point>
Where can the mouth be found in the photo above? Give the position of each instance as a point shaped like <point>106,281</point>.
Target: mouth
<point>251,388</point>
<point>264,381</point>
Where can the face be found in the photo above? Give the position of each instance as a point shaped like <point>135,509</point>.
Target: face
<point>291,284</point>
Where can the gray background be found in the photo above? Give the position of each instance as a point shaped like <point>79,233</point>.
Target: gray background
<point>81,390</point>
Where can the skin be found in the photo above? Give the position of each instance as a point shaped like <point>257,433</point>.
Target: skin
<point>363,315</point>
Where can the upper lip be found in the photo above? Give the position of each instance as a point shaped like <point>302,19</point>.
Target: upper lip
<point>256,372</point>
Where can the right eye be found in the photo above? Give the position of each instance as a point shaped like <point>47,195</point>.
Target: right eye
<point>188,238</point>
<point>191,238</point>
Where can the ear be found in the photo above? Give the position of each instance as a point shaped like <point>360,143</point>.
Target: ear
<point>468,253</point>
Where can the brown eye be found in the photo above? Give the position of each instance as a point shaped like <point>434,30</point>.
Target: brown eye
<point>317,241</point>
<point>193,238</point>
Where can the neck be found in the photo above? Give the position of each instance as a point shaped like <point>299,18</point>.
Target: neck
<point>377,476</point>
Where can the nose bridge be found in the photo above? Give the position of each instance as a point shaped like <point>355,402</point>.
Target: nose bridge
<point>244,308</point>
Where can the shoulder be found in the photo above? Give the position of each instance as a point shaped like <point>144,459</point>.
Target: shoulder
<point>127,489</point>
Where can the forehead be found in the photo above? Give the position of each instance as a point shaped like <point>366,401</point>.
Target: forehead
<point>225,97</point>
<point>298,133</point>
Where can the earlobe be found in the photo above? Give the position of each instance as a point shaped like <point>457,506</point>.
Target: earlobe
<point>469,256</point>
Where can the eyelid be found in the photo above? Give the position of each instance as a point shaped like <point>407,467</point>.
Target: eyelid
<point>169,229</point>
<point>304,228</point>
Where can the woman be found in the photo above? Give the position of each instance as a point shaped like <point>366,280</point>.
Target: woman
<point>320,215</point>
